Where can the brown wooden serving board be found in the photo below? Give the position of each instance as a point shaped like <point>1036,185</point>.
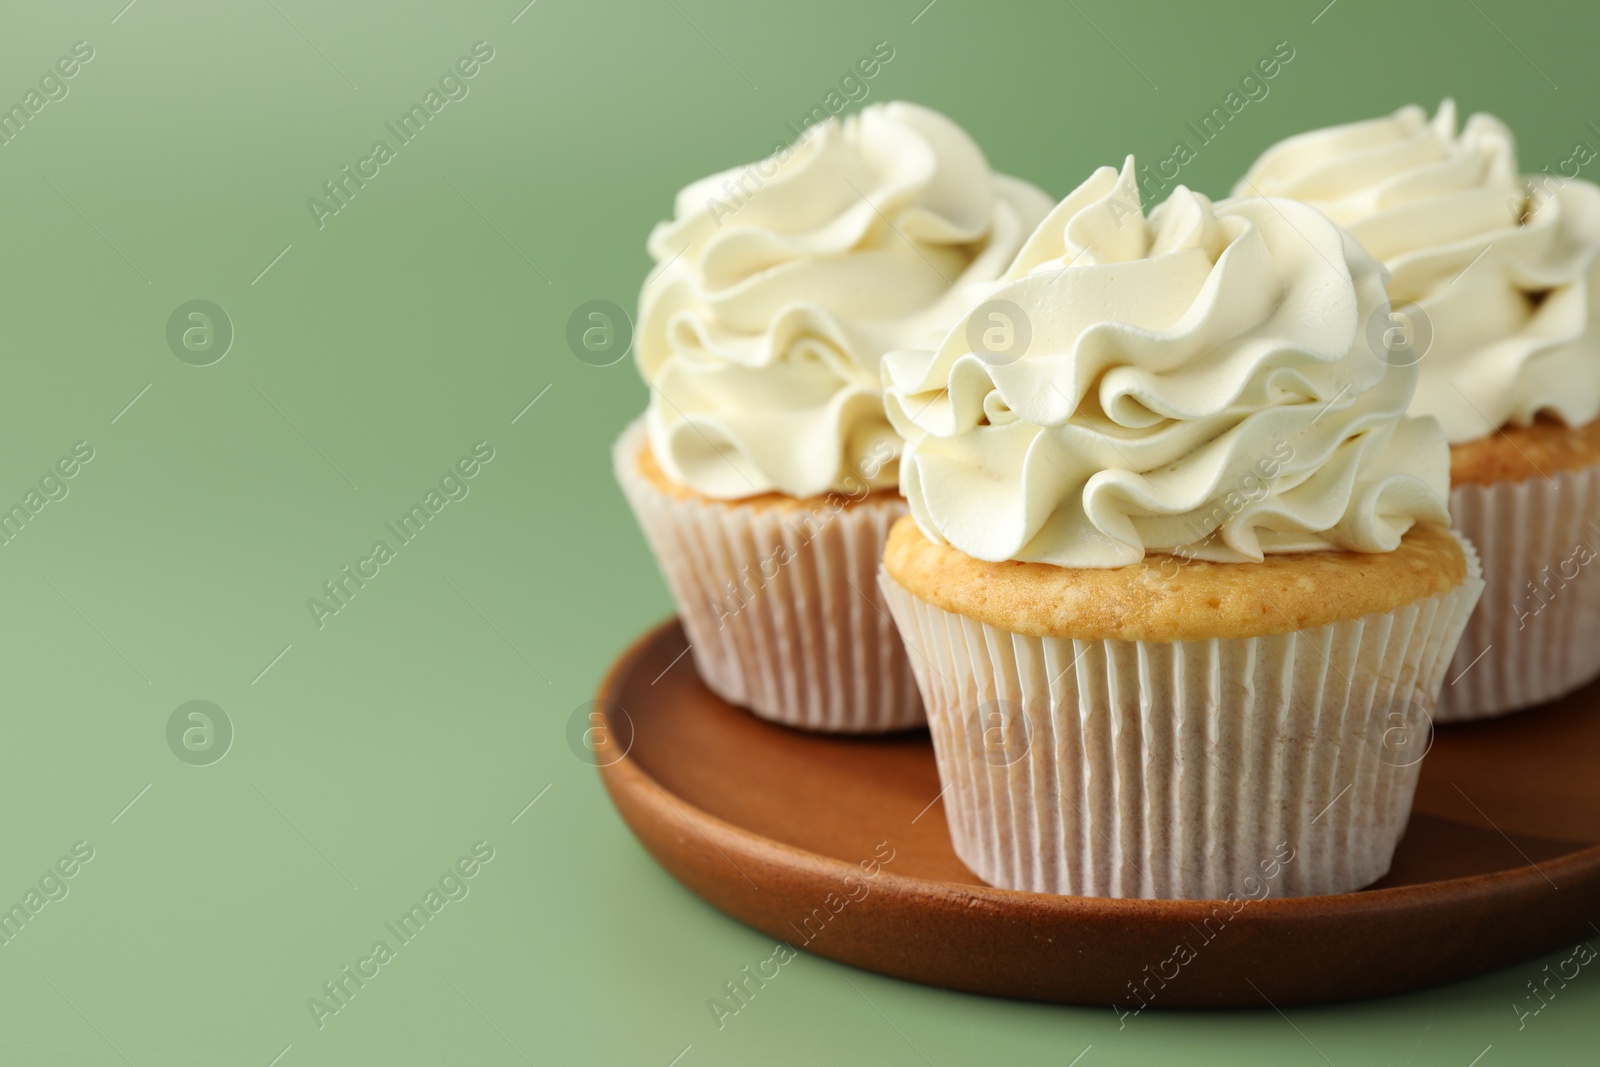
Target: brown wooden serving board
<point>788,832</point>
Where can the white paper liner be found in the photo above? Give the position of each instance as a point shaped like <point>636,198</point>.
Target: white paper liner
<point>1536,634</point>
<point>807,642</point>
<point>1177,770</point>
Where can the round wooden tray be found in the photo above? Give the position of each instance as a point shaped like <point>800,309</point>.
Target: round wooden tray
<point>838,846</point>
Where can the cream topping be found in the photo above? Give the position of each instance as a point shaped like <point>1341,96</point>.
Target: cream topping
<point>1197,383</point>
<point>780,285</point>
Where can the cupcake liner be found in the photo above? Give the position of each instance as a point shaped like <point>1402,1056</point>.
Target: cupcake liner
<point>1280,765</point>
<point>1533,638</point>
<point>781,605</point>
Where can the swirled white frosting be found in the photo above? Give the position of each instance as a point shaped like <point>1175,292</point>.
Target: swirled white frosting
<point>1197,383</point>
<point>1496,281</point>
<point>781,285</point>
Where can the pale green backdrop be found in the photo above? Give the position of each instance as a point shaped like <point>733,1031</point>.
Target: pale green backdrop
<point>370,354</point>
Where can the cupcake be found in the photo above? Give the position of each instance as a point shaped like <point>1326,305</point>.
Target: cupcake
<point>1177,574</point>
<point>764,472</point>
<point>1495,281</point>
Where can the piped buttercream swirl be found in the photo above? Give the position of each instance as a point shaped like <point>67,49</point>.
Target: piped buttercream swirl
<point>780,285</point>
<point>1196,383</point>
<point>1495,277</point>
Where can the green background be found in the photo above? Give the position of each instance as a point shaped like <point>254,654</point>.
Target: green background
<point>376,351</point>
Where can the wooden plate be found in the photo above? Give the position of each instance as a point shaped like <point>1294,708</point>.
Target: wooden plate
<point>789,832</point>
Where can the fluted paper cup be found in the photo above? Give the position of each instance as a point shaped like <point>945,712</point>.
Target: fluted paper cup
<point>781,604</point>
<point>1536,634</point>
<point>1185,769</point>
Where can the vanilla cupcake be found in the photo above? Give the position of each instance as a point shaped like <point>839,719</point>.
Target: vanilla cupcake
<point>764,472</point>
<point>1177,582</point>
<point>1495,282</point>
